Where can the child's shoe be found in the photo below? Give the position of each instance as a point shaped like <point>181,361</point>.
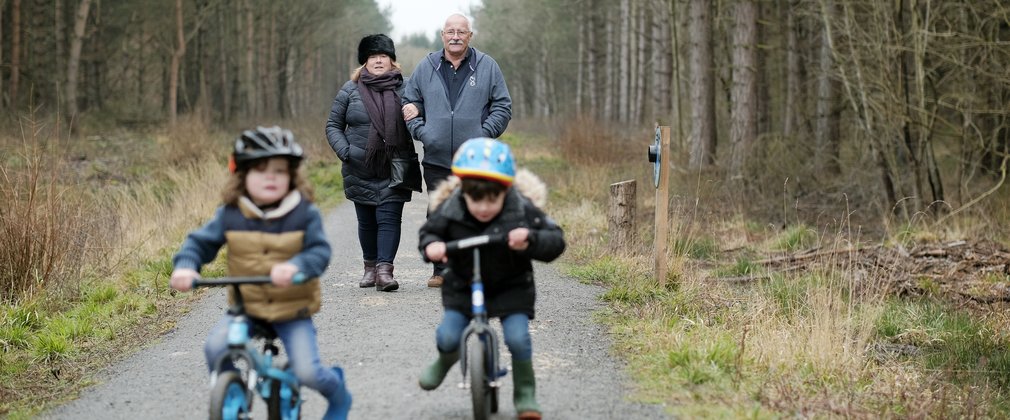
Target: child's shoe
<point>340,400</point>
<point>434,374</point>
<point>524,390</point>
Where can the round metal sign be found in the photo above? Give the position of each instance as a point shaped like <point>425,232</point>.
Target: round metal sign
<point>656,157</point>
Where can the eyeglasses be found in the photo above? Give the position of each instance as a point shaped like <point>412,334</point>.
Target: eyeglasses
<point>454,32</point>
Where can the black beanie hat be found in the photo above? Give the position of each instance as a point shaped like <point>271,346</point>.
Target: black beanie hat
<point>375,44</point>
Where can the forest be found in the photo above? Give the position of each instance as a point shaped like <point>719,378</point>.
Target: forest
<point>910,95</point>
<point>833,155</point>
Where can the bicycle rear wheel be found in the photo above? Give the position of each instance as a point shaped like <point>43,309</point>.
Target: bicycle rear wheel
<point>229,399</point>
<point>480,389</point>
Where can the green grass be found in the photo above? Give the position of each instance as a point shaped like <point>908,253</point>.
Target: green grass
<point>791,293</point>
<point>606,270</point>
<point>949,339</point>
<point>744,266</point>
<point>327,183</point>
<point>703,248</point>
<point>795,238</point>
<point>35,338</point>
<point>624,284</point>
<point>50,346</point>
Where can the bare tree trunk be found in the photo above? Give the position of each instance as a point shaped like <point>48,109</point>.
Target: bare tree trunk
<point>58,33</point>
<point>674,102</point>
<point>269,45</point>
<point>15,52</point>
<point>541,107</point>
<point>173,69</point>
<point>743,127</point>
<point>3,5</point>
<point>609,66</point>
<point>925,113</point>
<point>250,68</point>
<point>641,74</point>
<point>703,135</point>
<point>908,150</point>
<point>203,99</point>
<point>826,127</point>
<point>591,66</point>
<point>580,17</point>
<point>789,117</point>
<point>222,62</point>
<point>142,67</point>
<point>764,80</point>
<point>74,60</point>
<point>624,48</point>
<point>281,79</point>
<point>661,57</point>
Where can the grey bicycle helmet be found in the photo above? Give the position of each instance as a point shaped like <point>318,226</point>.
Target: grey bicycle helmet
<point>266,142</point>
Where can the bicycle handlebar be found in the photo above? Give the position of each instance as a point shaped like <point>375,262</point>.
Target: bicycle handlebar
<point>475,241</point>
<point>299,278</point>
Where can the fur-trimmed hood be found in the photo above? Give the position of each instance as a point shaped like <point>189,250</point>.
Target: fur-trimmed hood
<point>527,183</point>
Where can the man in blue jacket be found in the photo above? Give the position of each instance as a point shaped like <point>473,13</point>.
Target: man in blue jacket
<point>454,95</point>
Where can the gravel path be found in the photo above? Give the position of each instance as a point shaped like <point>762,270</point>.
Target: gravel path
<point>382,340</point>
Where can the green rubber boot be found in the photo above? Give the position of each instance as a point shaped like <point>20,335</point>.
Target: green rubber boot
<point>434,374</point>
<point>524,391</point>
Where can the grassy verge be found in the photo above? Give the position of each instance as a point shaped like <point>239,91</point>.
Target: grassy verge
<point>807,343</point>
<point>120,216</point>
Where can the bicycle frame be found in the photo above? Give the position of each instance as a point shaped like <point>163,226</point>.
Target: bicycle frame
<point>242,332</point>
<point>480,327</point>
<point>483,388</point>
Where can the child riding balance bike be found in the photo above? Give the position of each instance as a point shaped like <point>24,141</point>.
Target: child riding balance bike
<point>487,196</point>
<point>271,227</point>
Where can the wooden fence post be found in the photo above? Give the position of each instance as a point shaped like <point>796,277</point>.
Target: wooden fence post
<point>621,215</point>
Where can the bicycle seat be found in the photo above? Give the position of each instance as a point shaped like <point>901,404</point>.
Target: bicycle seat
<point>262,329</point>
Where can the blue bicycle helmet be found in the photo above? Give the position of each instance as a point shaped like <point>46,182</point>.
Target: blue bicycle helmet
<point>266,142</point>
<point>486,159</point>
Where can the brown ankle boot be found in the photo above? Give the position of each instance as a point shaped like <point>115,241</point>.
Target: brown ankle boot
<point>384,278</point>
<point>368,279</point>
<point>435,280</point>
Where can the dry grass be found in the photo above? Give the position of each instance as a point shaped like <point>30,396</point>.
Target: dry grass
<point>796,343</point>
<point>149,220</point>
<point>46,221</point>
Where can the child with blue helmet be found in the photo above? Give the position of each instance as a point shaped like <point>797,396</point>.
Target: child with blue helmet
<point>487,195</point>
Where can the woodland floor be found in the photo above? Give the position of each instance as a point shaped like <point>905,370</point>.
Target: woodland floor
<point>959,271</point>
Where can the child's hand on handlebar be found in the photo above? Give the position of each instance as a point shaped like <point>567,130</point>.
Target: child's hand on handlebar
<point>182,279</point>
<point>519,239</point>
<point>283,274</point>
<point>435,252</point>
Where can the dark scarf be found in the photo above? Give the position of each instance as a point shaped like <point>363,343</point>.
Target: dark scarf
<point>388,131</point>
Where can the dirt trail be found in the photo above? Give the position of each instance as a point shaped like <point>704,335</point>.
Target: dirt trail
<point>382,340</point>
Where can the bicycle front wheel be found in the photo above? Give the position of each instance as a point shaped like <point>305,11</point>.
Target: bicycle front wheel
<point>480,389</point>
<point>229,399</point>
<point>283,403</point>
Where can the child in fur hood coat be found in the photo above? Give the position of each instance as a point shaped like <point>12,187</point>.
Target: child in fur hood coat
<point>487,195</point>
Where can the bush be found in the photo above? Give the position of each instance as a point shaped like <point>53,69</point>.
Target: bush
<point>43,220</point>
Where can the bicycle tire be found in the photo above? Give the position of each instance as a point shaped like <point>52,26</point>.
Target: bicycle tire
<point>276,407</point>
<point>229,399</point>
<point>494,399</point>
<point>274,402</point>
<point>480,390</point>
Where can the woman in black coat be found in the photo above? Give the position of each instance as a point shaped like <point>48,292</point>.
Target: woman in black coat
<point>365,130</point>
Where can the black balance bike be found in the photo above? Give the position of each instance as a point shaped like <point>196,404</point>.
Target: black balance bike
<point>479,345</point>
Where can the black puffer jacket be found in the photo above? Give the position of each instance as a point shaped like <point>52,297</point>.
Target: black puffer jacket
<point>507,274</point>
<point>347,132</point>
